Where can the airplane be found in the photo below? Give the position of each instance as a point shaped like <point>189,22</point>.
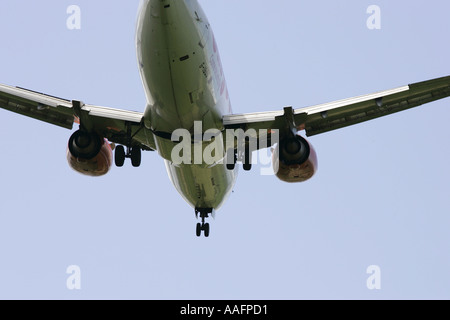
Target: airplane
<point>185,88</point>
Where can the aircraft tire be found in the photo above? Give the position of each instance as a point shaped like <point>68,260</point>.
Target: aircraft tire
<point>199,230</point>
<point>206,229</point>
<point>119,156</point>
<point>136,156</point>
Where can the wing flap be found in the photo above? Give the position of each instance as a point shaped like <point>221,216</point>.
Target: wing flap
<point>342,113</point>
<point>37,105</point>
<point>332,116</point>
<point>117,114</point>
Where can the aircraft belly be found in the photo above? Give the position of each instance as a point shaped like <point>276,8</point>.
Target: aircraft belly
<point>201,186</point>
<point>173,59</point>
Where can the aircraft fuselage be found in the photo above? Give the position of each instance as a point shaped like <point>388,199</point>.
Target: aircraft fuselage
<point>182,74</point>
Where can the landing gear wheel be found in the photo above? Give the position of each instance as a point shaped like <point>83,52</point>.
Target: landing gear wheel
<point>203,227</point>
<point>206,229</point>
<point>119,156</point>
<point>136,156</point>
<point>231,166</point>
<point>132,152</point>
<point>231,159</point>
<point>247,165</point>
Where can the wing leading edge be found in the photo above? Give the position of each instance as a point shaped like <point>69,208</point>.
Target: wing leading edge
<point>342,113</point>
<point>114,124</point>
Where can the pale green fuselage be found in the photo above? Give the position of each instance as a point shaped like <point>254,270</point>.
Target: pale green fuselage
<point>184,82</point>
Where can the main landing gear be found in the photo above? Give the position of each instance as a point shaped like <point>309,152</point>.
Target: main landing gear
<point>233,156</point>
<point>134,154</point>
<point>202,227</point>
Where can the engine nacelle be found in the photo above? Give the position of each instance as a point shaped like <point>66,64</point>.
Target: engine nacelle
<point>89,154</point>
<point>294,160</point>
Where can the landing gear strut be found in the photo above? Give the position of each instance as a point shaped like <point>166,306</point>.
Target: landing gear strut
<point>202,227</point>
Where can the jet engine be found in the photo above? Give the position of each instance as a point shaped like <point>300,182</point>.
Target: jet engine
<point>294,160</point>
<point>89,154</point>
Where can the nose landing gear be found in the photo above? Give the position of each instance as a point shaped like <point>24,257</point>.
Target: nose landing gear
<point>203,226</point>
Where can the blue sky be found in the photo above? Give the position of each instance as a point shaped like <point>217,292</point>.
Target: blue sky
<point>380,196</point>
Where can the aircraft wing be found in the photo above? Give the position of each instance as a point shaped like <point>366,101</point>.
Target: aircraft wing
<point>110,123</point>
<point>338,114</point>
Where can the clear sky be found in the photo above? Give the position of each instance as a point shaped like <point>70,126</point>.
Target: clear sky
<point>380,197</point>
